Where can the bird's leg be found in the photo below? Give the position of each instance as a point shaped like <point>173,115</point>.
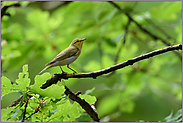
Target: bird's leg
<point>62,70</point>
<point>71,68</point>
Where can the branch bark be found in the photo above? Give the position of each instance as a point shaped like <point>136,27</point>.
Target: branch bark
<point>4,8</point>
<point>26,103</point>
<point>14,103</point>
<point>58,76</point>
<point>86,106</point>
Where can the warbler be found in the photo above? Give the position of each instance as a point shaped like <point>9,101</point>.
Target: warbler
<point>67,56</point>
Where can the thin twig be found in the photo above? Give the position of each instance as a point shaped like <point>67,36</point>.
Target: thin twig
<point>36,110</point>
<point>161,30</point>
<point>100,53</point>
<point>144,30</point>
<point>26,103</point>
<point>14,103</point>
<point>121,46</point>
<point>122,42</point>
<point>88,108</point>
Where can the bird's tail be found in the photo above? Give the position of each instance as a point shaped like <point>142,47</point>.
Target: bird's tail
<point>45,68</point>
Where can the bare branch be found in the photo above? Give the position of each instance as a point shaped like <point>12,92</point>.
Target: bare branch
<point>86,106</point>
<point>26,102</point>
<point>161,30</point>
<point>100,53</point>
<point>121,46</point>
<point>14,103</point>
<point>4,8</point>
<point>122,42</point>
<point>57,77</point>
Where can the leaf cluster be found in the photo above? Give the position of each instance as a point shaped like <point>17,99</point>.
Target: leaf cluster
<point>36,32</point>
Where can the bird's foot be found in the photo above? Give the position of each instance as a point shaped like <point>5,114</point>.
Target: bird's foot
<point>74,72</point>
<point>63,72</point>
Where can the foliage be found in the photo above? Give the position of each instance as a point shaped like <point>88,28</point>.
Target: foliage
<point>37,31</point>
<point>52,104</point>
<point>176,118</point>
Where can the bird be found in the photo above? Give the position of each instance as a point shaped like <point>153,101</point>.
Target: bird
<point>67,56</point>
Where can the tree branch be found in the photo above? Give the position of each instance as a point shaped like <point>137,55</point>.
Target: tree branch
<point>36,110</point>
<point>121,45</point>
<point>144,30</point>
<point>26,102</point>
<point>86,106</point>
<point>14,103</point>
<point>58,76</point>
<point>122,42</point>
<point>4,8</point>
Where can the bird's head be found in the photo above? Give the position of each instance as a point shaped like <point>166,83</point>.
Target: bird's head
<point>78,42</point>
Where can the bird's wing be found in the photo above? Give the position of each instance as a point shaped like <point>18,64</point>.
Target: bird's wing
<point>65,54</point>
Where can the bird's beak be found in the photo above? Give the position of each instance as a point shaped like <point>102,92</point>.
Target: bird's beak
<point>84,39</point>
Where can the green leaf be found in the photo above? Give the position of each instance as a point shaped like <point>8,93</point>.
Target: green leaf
<point>7,3</point>
<point>110,42</point>
<point>176,118</point>
<point>66,112</point>
<point>6,86</point>
<point>23,79</point>
<point>39,80</point>
<point>6,114</point>
<point>55,90</point>
<point>90,91</point>
<point>23,99</point>
<point>88,98</point>
<point>84,118</point>
<point>25,68</point>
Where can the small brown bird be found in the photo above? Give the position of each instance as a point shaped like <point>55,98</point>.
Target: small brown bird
<point>67,56</point>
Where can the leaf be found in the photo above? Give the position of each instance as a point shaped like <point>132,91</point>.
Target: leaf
<point>39,80</point>
<point>23,80</point>
<point>6,86</point>
<point>84,118</point>
<point>23,99</point>
<point>7,3</point>
<point>88,98</point>
<point>90,91</point>
<point>55,90</point>
<point>66,112</point>
<point>110,42</point>
<point>25,68</point>
<point>176,118</point>
<point>6,114</point>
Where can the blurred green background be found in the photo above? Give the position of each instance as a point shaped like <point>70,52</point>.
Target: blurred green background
<point>149,90</point>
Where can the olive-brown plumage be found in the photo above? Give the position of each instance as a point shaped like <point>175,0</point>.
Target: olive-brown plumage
<point>67,56</point>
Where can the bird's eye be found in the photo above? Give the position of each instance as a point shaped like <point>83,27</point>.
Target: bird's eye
<point>77,41</point>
